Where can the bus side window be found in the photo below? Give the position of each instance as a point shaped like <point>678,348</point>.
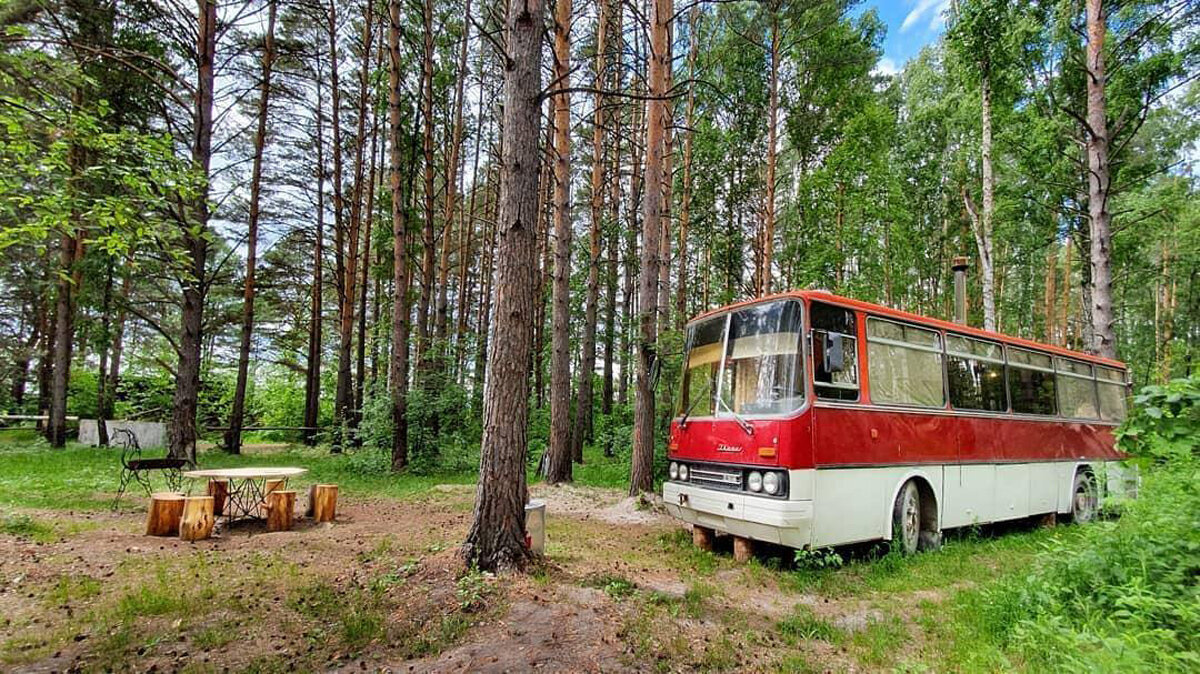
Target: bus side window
<point>833,330</point>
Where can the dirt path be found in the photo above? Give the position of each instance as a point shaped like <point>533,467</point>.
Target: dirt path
<point>382,590</point>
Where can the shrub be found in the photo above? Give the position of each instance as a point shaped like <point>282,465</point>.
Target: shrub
<point>1123,596</point>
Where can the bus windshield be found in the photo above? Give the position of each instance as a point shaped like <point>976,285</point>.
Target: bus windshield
<point>745,362</point>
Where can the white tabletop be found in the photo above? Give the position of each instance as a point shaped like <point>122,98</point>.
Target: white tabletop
<point>251,473</point>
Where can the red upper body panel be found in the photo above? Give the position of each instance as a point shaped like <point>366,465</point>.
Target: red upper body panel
<point>862,434</point>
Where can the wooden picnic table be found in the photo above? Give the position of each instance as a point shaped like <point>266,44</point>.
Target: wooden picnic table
<point>247,486</point>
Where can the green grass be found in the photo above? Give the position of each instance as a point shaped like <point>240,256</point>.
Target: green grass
<point>32,475</point>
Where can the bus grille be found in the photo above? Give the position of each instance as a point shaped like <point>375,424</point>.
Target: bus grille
<point>723,478</point>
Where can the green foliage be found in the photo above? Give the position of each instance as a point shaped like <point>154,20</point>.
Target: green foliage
<point>1164,424</point>
<point>1124,597</point>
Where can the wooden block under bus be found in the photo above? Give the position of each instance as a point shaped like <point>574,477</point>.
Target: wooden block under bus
<point>322,502</point>
<point>281,504</point>
<point>198,518</point>
<point>163,517</point>
<point>219,491</point>
<point>743,549</point>
<point>702,537</point>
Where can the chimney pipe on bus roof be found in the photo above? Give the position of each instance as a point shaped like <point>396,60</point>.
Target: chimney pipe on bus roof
<point>959,265</point>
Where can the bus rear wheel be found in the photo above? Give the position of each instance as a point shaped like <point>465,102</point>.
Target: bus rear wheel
<point>906,519</point>
<point>1084,502</point>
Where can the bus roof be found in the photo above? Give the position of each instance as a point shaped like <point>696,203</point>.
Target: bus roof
<point>881,310</point>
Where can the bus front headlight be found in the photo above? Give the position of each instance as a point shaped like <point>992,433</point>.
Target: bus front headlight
<point>683,472</point>
<point>754,481</point>
<point>771,483</point>
<point>673,471</point>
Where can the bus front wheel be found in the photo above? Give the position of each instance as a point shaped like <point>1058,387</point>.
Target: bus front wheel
<point>906,519</point>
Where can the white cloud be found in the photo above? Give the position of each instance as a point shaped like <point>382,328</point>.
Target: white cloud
<point>935,9</point>
<point>886,66</point>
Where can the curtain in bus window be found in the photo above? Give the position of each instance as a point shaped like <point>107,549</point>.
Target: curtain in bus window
<point>1076,396</point>
<point>704,343</point>
<point>1032,391</point>
<point>904,364</point>
<point>762,360</point>
<point>1112,401</point>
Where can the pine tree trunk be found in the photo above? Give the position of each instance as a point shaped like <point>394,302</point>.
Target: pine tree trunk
<point>560,454</point>
<point>398,362</point>
<point>233,436</point>
<point>496,540</point>
<point>343,396</point>
<point>685,207</point>
<point>581,431</point>
<point>641,477</point>
<point>312,373</point>
<point>428,245</point>
<point>195,244</point>
<point>364,277</point>
<point>768,243</point>
<point>1099,185</point>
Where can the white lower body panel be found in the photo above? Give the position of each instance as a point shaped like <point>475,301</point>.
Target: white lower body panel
<point>838,506</point>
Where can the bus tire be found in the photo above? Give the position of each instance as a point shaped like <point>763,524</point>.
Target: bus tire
<point>1084,503</point>
<point>906,519</point>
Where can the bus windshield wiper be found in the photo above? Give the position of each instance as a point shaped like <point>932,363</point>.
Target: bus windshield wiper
<point>687,413</point>
<point>736,417</point>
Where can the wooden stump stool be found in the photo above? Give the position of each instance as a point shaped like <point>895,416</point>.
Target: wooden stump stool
<point>198,519</point>
<point>165,510</point>
<point>322,502</point>
<point>219,491</point>
<point>281,503</point>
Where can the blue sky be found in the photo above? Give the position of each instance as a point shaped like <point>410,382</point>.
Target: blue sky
<point>911,24</point>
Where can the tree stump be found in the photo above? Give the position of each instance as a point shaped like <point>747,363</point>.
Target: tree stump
<point>281,503</point>
<point>743,549</point>
<point>165,510</point>
<point>1048,520</point>
<point>702,537</point>
<point>219,490</point>
<point>322,502</point>
<point>272,485</point>
<point>198,518</point>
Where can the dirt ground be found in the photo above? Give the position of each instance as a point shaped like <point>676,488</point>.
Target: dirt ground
<point>381,590</point>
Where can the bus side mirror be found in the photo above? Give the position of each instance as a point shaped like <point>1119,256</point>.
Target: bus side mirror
<point>834,359</point>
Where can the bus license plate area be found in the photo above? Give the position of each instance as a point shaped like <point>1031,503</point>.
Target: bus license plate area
<point>721,505</point>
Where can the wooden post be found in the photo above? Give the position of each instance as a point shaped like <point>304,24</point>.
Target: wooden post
<point>165,510</point>
<point>322,502</point>
<point>702,537</point>
<point>198,519</point>
<point>219,490</point>
<point>281,503</point>
<point>743,549</point>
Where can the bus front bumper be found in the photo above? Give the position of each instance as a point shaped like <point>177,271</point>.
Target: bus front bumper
<point>758,517</point>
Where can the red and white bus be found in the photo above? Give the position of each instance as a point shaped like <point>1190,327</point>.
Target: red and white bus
<point>811,420</point>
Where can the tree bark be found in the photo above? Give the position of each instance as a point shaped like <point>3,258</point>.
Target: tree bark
<point>1099,185</point>
<point>642,473</point>
<point>195,244</point>
<point>581,431</point>
<point>233,436</point>
<point>453,185</point>
<point>428,243</point>
<point>343,396</point>
<point>768,243</point>
<point>312,374</point>
<point>560,452</point>
<point>685,206</point>
<point>398,363</point>
<point>496,540</point>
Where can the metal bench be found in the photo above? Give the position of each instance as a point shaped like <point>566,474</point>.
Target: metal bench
<point>135,468</point>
